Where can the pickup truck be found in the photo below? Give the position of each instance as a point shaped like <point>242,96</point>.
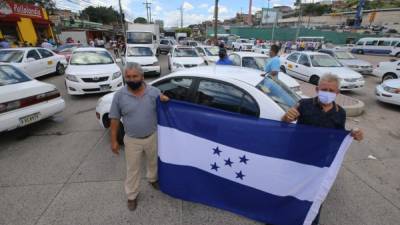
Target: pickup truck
<point>242,44</point>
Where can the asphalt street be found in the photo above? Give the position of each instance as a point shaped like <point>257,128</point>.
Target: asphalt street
<point>61,171</point>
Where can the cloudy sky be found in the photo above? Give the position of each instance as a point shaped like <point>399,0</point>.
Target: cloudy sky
<point>195,11</point>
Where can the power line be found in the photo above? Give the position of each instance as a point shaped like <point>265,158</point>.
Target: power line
<point>148,10</point>
<point>181,12</point>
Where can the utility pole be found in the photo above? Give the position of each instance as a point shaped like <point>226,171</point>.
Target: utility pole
<point>299,21</point>
<point>122,20</point>
<point>216,22</point>
<point>148,9</point>
<point>181,12</point>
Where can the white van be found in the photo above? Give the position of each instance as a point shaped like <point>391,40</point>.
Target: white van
<point>395,50</point>
<point>375,45</point>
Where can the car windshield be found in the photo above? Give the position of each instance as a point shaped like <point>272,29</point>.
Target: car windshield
<point>66,48</point>
<point>11,75</point>
<point>257,63</point>
<point>140,51</point>
<point>91,58</point>
<point>11,56</point>
<point>212,51</point>
<point>139,38</point>
<point>263,47</point>
<point>185,52</point>
<point>324,61</point>
<point>344,55</point>
<point>278,92</point>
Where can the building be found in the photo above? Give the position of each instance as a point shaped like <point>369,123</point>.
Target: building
<point>24,23</point>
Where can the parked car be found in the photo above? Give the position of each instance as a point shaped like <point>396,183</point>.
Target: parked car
<point>375,45</point>
<point>242,44</point>
<point>92,70</point>
<point>145,57</point>
<point>395,51</point>
<point>262,49</point>
<point>34,61</point>
<point>24,100</point>
<point>209,53</point>
<point>67,49</point>
<point>166,45</point>
<point>388,70</point>
<point>349,60</point>
<point>258,61</point>
<point>182,57</point>
<point>219,87</point>
<point>389,91</point>
<point>310,66</point>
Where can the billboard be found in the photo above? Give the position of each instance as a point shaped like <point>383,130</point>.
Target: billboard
<point>270,15</point>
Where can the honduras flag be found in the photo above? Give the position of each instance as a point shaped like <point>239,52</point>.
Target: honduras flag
<point>269,171</point>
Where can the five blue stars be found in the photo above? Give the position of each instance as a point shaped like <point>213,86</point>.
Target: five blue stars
<point>214,166</point>
<point>217,151</point>
<point>240,175</point>
<point>243,159</point>
<point>228,162</point>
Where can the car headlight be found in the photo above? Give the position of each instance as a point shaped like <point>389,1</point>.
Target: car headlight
<point>353,66</point>
<point>116,75</point>
<point>72,78</point>
<point>390,89</point>
<point>156,63</point>
<point>178,65</point>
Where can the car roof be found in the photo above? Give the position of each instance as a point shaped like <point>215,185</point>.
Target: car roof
<point>249,54</point>
<point>246,75</point>
<point>310,53</point>
<point>23,48</point>
<point>84,49</point>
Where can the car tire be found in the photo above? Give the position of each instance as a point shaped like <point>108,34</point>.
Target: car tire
<point>283,69</point>
<point>314,79</point>
<point>359,51</point>
<point>121,134</point>
<point>398,55</point>
<point>60,69</point>
<point>389,76</point>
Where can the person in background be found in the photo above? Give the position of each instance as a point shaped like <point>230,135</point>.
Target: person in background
<point>46,44</point>
<point>273,65</point>
<point>4,43</point>
<point>302,46</point>
<point>91,43</point>
<point>223,58</point>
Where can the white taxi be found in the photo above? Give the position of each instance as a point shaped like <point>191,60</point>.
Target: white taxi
<point>388,70</point>
<point>389,91</point>
<point>92,70</point>
<point>209,53</point>
<point>229,88</point>
<point>183,57</point>
<point>24,100</point>
<point>310,66</point>
<point>145,57</point>
<point>34,61</point>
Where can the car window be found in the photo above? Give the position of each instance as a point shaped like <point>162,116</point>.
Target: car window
<point>303,60</point>
<point>33,54</point>
<point>249,106</point>
<point>384,43</point>
<point>201,51</point>
<point>164,42</point>
<point>185,52</point>
<point>176,88</point>
<point>10,55</point>
<point>45,53</point>
<point>91,58</point>
<point>360,43</point>
<point>372,42</point>
<point>139,51</point>
<point>257,63</point>
<point>219,95</point>
<point>11,75</point>
<point>293,57</point>
<point>394,43</point>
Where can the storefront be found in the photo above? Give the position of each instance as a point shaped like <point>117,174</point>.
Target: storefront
<point>24,22</point>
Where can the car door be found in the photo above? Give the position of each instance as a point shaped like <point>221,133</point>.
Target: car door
<point>48,61</point>
<point>303,67</point>
<point>224,96</point>
<point>33,63</point>
<point>290,63</point>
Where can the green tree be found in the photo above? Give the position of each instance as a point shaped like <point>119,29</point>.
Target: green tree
<point>140,20</point>
<point>101,14</point>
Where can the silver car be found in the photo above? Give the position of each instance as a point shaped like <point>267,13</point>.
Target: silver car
<point>166,45</point>
<point>349,60</point>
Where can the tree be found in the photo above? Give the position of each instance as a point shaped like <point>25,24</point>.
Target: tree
<point>101,14</point>
<point>140,20</point>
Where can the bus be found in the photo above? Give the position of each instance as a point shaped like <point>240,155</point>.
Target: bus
<point>375,45</point>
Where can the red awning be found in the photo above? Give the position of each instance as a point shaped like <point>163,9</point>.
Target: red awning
<point>9,19</point>
<point>41,22</point>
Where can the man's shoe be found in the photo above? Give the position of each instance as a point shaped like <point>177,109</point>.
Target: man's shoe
<point>155,185</point>
<point>132,204</point>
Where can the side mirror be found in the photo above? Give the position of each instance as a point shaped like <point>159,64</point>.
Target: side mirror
<point>30,59</point>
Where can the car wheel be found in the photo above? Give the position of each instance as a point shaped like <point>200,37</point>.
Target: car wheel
<point>60,69</point>
<point>360,52</point>
<point>389,76</point>
<point>398,55</point>
<point>283,69</point>
<point>121,134</point>
<point>314,79</point>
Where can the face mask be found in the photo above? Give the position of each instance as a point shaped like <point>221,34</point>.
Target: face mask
<point>326,97</point>
<point>134,85</point>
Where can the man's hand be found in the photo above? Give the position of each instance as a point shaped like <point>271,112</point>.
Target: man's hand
<point>357,134</point>
<point>291,115</point>
<point>115,147</point>
<point>164,98</point>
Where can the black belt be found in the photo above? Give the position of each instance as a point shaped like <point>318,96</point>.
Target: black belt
<point>144,137</point>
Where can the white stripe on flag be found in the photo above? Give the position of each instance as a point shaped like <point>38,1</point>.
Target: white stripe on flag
<point>278,176</point>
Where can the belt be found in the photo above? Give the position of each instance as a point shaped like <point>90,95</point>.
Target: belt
<point>144,136</point>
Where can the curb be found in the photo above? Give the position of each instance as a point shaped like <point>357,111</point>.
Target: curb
<point>354,110</point>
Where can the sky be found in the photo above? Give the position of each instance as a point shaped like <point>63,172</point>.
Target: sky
<point>195,11</point>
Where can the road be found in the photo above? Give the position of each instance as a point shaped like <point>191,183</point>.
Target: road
<point>61,171</point>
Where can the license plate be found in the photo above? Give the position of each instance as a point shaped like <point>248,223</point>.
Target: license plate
<point>49,62</point>
<point>23,121</point>
<point>105,87</point>
<point>351,85</point>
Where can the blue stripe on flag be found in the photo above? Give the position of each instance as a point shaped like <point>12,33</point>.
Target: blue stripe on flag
<point>192,184</point>
<point>298,143</point>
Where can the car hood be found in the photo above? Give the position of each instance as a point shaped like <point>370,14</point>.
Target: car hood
<point>354,62</point>
<point>393,83</point>
<point>188,60</point>
<point>341,72</point>
<point>25,89</point>
<point>142,60</point>
<point>92,69</point>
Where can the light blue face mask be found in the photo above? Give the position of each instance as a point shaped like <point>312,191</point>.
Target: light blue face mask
<point>326,97</point>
